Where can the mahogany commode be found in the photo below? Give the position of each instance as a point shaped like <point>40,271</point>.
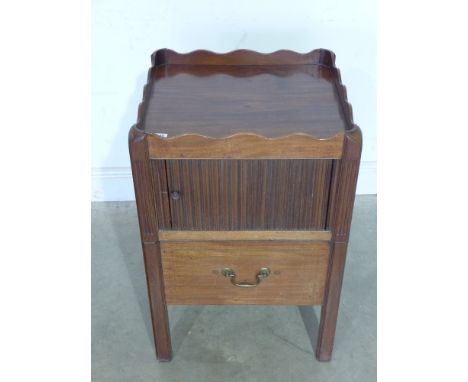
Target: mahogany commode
<point>245,168</point>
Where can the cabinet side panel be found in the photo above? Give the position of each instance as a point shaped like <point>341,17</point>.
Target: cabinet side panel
<point>144,184</point>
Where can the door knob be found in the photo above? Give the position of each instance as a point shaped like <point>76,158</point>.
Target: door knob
<point>175,195</point>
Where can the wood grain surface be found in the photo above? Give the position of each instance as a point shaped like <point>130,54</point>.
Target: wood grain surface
<point>157,300</point>
<point>261,156</point>
<point>193,272</point>
<point>249,194</point>
<point>174,235</point>
<point>143,182</point>
<point>343,187</point>
<point>244,104</point>
<point>221,105</point>
<point>167,57</point>
<point>246,146</point>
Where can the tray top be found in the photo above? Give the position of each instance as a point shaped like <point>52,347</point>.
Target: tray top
<point>219,95</point>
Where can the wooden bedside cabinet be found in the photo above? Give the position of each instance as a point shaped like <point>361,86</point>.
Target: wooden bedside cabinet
<point>245,168</point>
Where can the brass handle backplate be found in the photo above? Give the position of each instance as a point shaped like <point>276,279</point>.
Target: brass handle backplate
<point>262,273</point>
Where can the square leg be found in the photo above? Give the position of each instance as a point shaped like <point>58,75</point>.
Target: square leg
<point>159,316</point>
<point>331,301</point>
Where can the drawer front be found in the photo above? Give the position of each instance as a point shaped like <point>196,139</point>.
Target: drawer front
<point>193,272</point>
<point>248,194</point>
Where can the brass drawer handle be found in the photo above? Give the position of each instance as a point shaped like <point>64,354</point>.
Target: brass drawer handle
<point>262,273</point>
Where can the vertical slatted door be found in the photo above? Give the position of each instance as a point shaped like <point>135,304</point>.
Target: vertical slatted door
<point>249,194</point>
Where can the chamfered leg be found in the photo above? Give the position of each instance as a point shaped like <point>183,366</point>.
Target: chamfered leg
<point>344,189</point>
<point>144,182</point>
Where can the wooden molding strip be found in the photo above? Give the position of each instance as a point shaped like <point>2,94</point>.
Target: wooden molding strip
<point>245,146</point>
<point>243,57</point>
<point>173,235</point>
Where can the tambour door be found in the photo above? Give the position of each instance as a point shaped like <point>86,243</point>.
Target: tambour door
<point>248,194</point>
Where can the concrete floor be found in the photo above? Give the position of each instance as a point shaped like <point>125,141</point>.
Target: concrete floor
<point>225,343</point>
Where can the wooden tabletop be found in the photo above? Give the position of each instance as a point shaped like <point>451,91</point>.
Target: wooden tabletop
<point>219,95</point>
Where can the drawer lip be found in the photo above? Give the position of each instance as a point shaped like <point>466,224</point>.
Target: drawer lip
<point>252,235</point>
<point>192,272</point>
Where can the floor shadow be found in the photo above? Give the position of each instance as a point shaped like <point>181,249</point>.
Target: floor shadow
<point>183,325</point>
<point>132,257</point>
<point>128,237</point>
<point>127,233</point>
<point>311,324</point>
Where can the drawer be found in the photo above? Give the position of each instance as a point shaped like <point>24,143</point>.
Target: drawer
<point>193,272</point>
